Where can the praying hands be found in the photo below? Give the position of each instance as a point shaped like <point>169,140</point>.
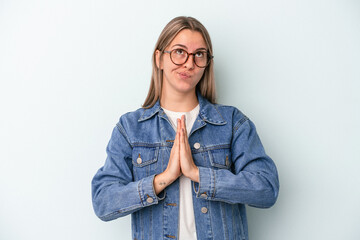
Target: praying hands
<point>180,162</point>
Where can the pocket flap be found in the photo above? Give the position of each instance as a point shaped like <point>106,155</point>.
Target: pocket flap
<point>143,156</point>
<point>220,158</point>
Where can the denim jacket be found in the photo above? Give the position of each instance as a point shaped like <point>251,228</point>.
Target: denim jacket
<point>234,170</point>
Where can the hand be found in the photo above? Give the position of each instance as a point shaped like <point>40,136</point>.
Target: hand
<point>173,170</point>
<point>188,167</point>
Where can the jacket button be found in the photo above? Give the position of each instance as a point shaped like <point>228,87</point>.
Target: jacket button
<point>197,145</point>
<point>204,210</point>
<point>150,200</point>
<point>139,160</point>
<point>203,195</point>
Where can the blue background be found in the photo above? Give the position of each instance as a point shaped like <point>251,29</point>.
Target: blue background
<point>69,69</point>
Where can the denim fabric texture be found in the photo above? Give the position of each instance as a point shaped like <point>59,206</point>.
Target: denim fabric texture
<point>234,171</point>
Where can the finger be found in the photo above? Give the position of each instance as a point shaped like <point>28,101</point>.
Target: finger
<point>178,125</point>
<point>184,129</point>
<point>186,140</point>
<point>186,132</point>
<point>176,145</point>
<point>181,138</point>
<point>183,125</point>
<point>178,142</point>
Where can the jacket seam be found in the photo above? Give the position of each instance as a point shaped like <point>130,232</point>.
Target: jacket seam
<point>138,187</point>
<point>224,221</point>
<point>122,131</point>
<point>216,108</point>
<point>145,118</point>
<point>214,147</point>
<point>146,144</point>
<point>108,216</point>
<point>239,123</point>
<point>205,149</point>
<point>213,173</point>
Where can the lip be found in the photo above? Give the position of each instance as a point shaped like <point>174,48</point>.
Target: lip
<point>184,75</point>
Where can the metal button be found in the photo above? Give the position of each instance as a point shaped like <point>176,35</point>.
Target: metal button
<point>197,145</point>
<point>139,160</point>
<point>204,210</point>
<point>203,195</point>
<point>150,200</point>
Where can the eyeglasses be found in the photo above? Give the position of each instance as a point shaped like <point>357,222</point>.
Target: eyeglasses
<point>179,56</point>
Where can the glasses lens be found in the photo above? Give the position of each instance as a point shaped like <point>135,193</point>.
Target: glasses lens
<point>201,58</point>
<point>179,56</point>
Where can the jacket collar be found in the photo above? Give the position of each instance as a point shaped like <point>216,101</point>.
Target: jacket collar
<point>149,112</point>
<point>208,111</point>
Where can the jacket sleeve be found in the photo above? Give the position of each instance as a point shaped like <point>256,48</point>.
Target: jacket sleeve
<point>253,178</point>
<point>114,191</point>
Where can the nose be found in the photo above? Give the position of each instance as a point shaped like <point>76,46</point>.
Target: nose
<point>190,64</point>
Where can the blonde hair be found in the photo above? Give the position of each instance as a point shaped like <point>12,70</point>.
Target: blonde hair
<point>206,85</point>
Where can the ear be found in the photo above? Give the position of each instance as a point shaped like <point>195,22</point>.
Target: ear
<point>157,58</point>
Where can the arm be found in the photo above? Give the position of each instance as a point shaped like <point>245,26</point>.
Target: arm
<point>254,179</point>
<point>114,191</point>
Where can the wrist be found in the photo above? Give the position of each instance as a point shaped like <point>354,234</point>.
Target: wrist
<point>168,176</point>
<point>195,175</point>
<point>160,182</point>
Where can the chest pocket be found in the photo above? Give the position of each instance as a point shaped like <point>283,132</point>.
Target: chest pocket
<point>220,158</point>
<point>144,160</point>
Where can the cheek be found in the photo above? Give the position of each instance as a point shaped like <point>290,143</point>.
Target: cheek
<point>169,67</point>
<point>200,74</point>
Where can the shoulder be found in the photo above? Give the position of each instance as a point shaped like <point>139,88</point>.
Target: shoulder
<point>240,123</point>
<point>133,114</point>
<point>129,120</point>
<point>231,114</point>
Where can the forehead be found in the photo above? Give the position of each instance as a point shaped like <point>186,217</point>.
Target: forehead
<point>190,39</point>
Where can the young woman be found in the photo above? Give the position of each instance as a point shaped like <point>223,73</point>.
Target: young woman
<point>182,165</point>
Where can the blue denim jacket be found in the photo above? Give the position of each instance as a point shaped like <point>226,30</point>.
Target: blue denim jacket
<point>233,166</point>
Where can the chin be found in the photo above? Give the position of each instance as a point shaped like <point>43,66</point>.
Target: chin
<point>186,90</point>
<point>186,86</point>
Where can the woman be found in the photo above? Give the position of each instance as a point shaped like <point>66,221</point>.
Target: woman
<point>183,166</point>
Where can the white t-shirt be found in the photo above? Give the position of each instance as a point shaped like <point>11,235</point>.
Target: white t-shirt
<point>187,229</point>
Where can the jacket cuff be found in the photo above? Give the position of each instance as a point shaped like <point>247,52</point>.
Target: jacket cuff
<point>206,187</point>
<point>147,192</point>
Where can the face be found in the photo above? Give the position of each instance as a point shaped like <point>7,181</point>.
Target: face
<point>182,78</point>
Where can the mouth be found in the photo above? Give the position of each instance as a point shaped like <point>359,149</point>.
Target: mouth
<point>184,75</point>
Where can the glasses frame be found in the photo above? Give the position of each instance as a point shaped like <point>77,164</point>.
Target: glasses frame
<point>188,55</point>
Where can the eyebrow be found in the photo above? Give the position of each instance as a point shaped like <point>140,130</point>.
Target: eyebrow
<point>183,46</point>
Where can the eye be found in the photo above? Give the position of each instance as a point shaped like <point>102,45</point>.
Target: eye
<point>179,51</point>
<point>199,54</point>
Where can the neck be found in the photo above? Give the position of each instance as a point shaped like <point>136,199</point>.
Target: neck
<point>179,102</point>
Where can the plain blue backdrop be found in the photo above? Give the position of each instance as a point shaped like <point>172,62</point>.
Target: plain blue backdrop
<point>69,69</point>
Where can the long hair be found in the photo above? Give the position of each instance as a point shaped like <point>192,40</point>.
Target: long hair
<point>206,85</point>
